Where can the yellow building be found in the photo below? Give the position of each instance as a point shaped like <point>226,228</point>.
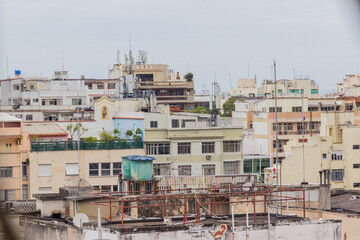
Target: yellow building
<point>185,145</point>
<point>14,149</point>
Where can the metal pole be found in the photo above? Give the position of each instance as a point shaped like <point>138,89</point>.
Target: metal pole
<point>233,221</point>
<point>303,132</point>
<point>78,130</point>
<point>276,145</point>
<point>99,224</point>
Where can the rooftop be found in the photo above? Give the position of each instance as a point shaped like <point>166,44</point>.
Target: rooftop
<point>4,117</point>
<point>44,129</point>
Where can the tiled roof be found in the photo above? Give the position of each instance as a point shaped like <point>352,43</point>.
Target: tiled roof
<point>44,129</point>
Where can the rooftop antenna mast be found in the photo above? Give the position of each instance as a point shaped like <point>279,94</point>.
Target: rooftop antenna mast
<point>213,112</point>
<point>118,56</point>
<point>231,86</point>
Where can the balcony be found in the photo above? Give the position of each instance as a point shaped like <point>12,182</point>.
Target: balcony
<point>298,132</point>
<point>167,84</point>
<point>73,145</point>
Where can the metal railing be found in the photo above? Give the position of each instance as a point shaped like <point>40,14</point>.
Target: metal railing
<point>73,145</point>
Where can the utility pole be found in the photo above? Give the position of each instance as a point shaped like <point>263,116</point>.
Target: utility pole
<point>276,146</point>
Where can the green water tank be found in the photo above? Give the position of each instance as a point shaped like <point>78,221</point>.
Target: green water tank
<point>137,167</point>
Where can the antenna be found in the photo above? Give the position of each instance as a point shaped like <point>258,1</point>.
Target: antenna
<point>118,56</point>
<point>248,70</point>
<point>62,60</point>
<point>231,86</point>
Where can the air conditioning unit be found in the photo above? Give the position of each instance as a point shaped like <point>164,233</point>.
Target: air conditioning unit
<point>208,157</point>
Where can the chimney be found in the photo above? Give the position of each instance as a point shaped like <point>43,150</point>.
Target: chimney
<point>177,75</point>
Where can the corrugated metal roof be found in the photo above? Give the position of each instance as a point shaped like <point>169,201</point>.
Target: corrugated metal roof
<point>4,117</point>
<point>139,158</point>
<point>44,129</point>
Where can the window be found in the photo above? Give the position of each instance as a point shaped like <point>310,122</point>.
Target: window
<point>280,91</point>
<point>115,188</point>
<point>35,100</point>
<point>208,169</point>
<point>272,109</point>
<point>105,169</point>
<point>324,156</point>
<point>8,146</point>
<point>44,170</point>
<point>24,170</point>
<point>356,147</point>
<point>18,116</point>
<point>158,148</point>
<point>248,166</point>
<point>184,170</point>
<point>296,109</point>
<point>337,175</point>
<point>29,117</point>
<point>208,147</point>
<point>71,169</point>
<point>27,102</point>
<point>184,148</point>
<point>161,169</point>
<point>314,125</point>
<point>93,169</point>
<point>313,109</point>
<point>6,172</point>
<point>153,124</point>
<point>336,155</point>
<point>53,102</point>
<point>301,91</point>
<point>7,195</point>
<point>288,126</point>
<point>349,106</point>
<point>294,90</point>
<point>175,123</point>
<point>231,146</point>
<point>76,101</point>
<point>32,87</point>
<point>43,102</point>
<point>116,168</point>
<point>16,87</point>
<point>314,91</point>
<point>111,85</point>
<point>231,167</point>
<point>106,188</point>
<point>356,165</point>
<point>24,192</point>
<point>326,109</point>
<point>300,127</point>
<point>279,126</point>
<point>100,86</point>
<point>356,185</point>
<point>90,85</point>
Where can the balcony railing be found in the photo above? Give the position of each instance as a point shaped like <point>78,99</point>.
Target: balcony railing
<point>73,145</point>
<point>298,132</point>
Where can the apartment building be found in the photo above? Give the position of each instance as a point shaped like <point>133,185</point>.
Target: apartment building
<point>336,149</point>
<point>169,89</point>
<point>350,86</point>
<point>14,159</point>
<point>187,144</point>
<point>284,87</point>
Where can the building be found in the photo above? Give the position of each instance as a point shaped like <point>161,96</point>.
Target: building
<point>285,88</point>
<point>177,92</point>
<point>187,144</point>
<point>14,159</point>
<point>350,86</point>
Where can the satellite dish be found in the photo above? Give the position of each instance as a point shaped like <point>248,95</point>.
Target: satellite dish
<point>220,231</point>
<point>247,186</point>
<point>79,219</point>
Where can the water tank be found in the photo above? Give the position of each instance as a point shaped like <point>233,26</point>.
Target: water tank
<point>137,167</point>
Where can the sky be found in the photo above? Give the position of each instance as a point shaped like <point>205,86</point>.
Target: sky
<point>221,40</point>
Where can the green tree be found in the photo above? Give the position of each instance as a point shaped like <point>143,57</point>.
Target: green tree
<point>229,107</point>
<point>106,136</point>
<point>90,140</point>
<point>200,109</point>
<point>34,138</point>
<point>129,133</point>
<point>72,128</point>
<point>189,76</point>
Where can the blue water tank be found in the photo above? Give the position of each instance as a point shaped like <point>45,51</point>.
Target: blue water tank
<point>17,72</point>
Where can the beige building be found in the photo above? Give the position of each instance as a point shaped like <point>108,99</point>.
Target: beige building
<point>294,88</point>
<point>14,159</point>
<point>169,89</point>
<point>245,87</point>
<point>350,86</point>
<point>187,144</point>
<point>337,149</point>
<point>51,170</point>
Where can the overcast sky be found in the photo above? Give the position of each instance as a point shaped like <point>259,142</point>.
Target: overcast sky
<point>318,38</point>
